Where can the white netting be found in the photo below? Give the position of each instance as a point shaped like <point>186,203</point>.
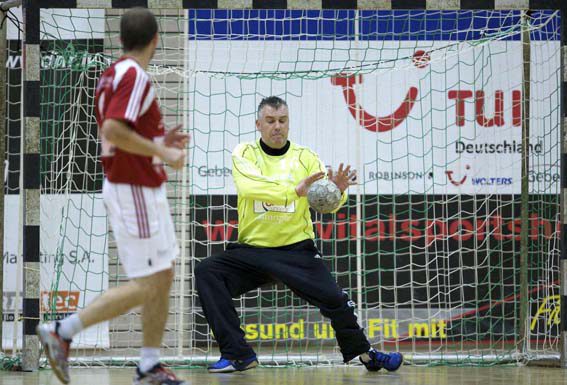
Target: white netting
<point>425,104</point>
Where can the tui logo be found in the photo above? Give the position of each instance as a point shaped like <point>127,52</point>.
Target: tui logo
<point>365,119</point>
<point>457,182</point>
<point>371,122</point>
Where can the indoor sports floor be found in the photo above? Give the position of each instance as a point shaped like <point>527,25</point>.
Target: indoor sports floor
<point>356,375</point>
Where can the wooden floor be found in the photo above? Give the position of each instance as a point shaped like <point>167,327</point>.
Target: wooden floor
<point>408,375</point>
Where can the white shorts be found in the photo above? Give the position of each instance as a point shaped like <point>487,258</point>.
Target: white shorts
<point>143,228</point>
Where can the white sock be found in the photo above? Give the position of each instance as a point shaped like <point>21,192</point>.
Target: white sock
<point>70,326</point>
<point>364,357</point>
<point>149,359</point>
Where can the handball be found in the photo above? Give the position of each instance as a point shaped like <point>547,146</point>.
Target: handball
<point>324,196</point>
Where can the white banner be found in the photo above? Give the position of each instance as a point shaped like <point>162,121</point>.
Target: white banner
<point>446,120</point>
<point>83,274</point>
<point>62,24</point>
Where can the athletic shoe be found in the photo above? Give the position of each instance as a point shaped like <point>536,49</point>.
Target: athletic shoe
<point>56,349</point>
<point>158,375</point>
<point>228,366</point>
<point>379,360</point>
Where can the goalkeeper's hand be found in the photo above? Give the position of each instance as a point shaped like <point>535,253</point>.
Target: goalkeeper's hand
<point>343,178</point>
<point>304,185</point>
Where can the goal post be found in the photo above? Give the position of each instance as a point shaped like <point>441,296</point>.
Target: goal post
<point>452,246</point>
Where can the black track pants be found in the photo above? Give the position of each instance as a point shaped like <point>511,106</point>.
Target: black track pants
<point>243,268</point>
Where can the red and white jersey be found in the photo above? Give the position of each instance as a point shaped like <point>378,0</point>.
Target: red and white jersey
<point>125,93</point>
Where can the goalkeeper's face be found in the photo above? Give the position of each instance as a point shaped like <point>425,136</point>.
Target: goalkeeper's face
<point>273,125</point>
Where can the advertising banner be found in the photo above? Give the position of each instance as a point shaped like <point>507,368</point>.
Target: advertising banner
<point>436,115</point>
<point>73,262</point>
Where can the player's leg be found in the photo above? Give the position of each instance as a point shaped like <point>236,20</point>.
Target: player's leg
<point>111,304</point>
<point>163,250</point>
<point>304,272</point>
<point>119,300</point>
<point>56,337</point>
<point>146,256</point>
<point>156,308</point>
<point>334,303</point>
<point>219,279</point>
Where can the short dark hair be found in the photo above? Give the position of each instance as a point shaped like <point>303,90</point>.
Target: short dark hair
<point>138,26</point>
<point>272,101</point>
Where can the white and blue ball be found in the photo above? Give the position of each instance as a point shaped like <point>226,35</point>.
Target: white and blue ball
<point>324,196</point>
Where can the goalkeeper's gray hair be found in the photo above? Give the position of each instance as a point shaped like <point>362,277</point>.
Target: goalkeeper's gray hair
<point>272,101</point>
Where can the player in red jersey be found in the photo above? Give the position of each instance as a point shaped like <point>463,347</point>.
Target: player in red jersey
<point>135,146</point>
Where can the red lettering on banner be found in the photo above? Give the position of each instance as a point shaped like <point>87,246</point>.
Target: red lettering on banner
<point>392,223</point>
<point>353,225</point>
<point>498,118</point>
<point>324,232</point>
<point>64,301</point>
<point>496,223</point>
<point>341,226</point>
<point>515,227</point>
<point>460,96</point>
<point>461,230</point>
<point>535,224</point>
<point>411,230</point>
<point>481,229</point>
<point>435,230</point>
<point>220,231</point>
<point>375,230</point>
<point>517,108</point>
<point>410,233</point>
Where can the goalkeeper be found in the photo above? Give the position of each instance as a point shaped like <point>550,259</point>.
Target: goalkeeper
<point>275,243</point>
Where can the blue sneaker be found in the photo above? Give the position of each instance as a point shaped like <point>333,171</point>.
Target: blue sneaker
<point>228,366</point>
<point>379,360</point>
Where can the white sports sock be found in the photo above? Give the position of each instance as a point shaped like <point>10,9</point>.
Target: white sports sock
<point>70,326</point>
<point>149,359</point>
<point>364,357</point>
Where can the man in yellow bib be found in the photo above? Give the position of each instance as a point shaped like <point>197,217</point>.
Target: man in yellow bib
<point>275,243</point>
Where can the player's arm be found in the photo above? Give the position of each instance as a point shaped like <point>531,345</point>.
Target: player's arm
<point>123,137</point>
<point>122,114</point>
<point>251,184</point>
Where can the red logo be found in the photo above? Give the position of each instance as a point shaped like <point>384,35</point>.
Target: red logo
<point>421,58</point>
<point>365,119</point>
<point>65,301</point>
<point>460,96</point>
<point>457,182</point>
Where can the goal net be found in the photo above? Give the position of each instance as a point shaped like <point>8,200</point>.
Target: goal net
<point>428,106</point>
